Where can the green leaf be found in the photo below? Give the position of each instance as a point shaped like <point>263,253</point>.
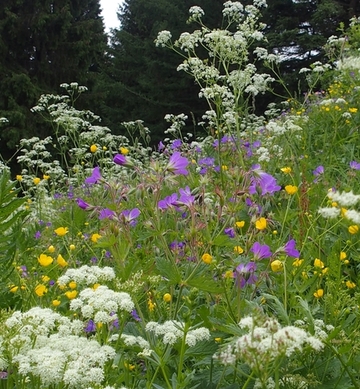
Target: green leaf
<point>168,270</point>
<point>205,284</point>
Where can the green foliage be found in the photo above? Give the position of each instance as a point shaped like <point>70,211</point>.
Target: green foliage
<point>12,214</point>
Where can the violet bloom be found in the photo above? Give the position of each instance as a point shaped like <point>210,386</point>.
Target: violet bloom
<point>120,159</point>
<point>131,215</point>
<point>263,181</point>
<point>245,274</point>
<point>290,250</point>
<point>82,204</point>
<point>177,164</point>
<point>90,327</point>
<point>230,232</point>
<point>106,213</point>
<point>95,176</point>
<point>261,251</point>
<point>318,171</point>
<point>37,235</point>
<point>176,144</point>
<point>135,315</point>
<point>185,197</point>
<point>355,165</point>
<point>161,146</point>
<point>168,201</point>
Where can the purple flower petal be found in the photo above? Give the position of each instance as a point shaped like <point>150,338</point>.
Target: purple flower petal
<point>261,251</point>
<point>177,164</point>
<point>82,204</point>
<point>290,250</point>
<point>120,159</point>
<point>95,176</point>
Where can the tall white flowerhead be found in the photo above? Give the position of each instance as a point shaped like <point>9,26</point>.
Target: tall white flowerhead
<point>163,38</point>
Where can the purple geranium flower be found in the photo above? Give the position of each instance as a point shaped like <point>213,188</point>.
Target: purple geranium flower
<point>120,159</point>
<point>95,176</point>
<point>168,201</point>
<point>130,215</point>
<point>82,204</point>
<point>176,144</point>
<point>106,213</point>
<point>318,171</point>
<point>355,165</point>
<point>177,164</point>
<point>90,327</point>
<point>290,250</point>
<point>264,181</point>
<point>245,274</point>
<point>261,251</point>
<point>135,315</point>
<point>230,232</point>
<point>185,197</point>
<point>37,235</point>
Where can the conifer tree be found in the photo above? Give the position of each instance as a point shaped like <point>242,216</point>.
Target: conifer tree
<point>44,43</point>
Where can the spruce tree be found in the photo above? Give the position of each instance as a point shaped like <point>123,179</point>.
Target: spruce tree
<point>44,43</point>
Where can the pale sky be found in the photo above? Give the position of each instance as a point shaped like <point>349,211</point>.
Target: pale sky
<point>109,9</point>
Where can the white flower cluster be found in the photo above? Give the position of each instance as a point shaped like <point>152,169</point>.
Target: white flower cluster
<point>263,344</point>
<point>329,212</point>
<point>72,360</point>
<point>196,12</point>
<point>233,10</point>
<point>47,345</point>
<point>131,340</point>
<point>173,330</point>
<point>346,199</point>
<point>101,304</point>
<point>87,275</point>
<point>163,38</point>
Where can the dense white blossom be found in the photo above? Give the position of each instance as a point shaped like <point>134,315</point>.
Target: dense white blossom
<point>87,275</point>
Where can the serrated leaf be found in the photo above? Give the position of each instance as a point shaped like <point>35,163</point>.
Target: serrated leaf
<point>205,284</point>
<point>168,270</point>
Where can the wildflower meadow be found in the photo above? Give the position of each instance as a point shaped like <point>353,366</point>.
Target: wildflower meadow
<point>224,261</point>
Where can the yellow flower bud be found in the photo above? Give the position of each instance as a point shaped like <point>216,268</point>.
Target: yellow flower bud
<point>207,258</point>
<point>276,265</point>
<point>167,297</point>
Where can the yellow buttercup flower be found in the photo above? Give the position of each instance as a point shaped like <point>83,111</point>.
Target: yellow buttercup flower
<point>46,177</point>
<point>286,170</point>
<point>71,294</point>
<point>318,263</point>
<point>13,288</point>
<point>56,303</point>
<point>61,231</point>
<point>40,290</point>
<point>240,224</point>
<point>36,180</point>
<point>261,224</point>
<point>19,177</point>
<point>72,285</point>
<point>343,255</point>
<point>61,261</point>
<point>207,258</point>
<point>93,148</point>
<point>353,110</point>
<point>350,284</point>
<point>124,151</point>
<point>319,293</point>
<point>276,265</point>
<point>291,189</point>
<point>51,249</point>
<point>167,297</point>
<point>298,262</point>
<point>238,249</point>
<point>45,260</point>
<point>45,278</point>
<point>72,247</point>
<point>95,237</point>
<point>354,229</point>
